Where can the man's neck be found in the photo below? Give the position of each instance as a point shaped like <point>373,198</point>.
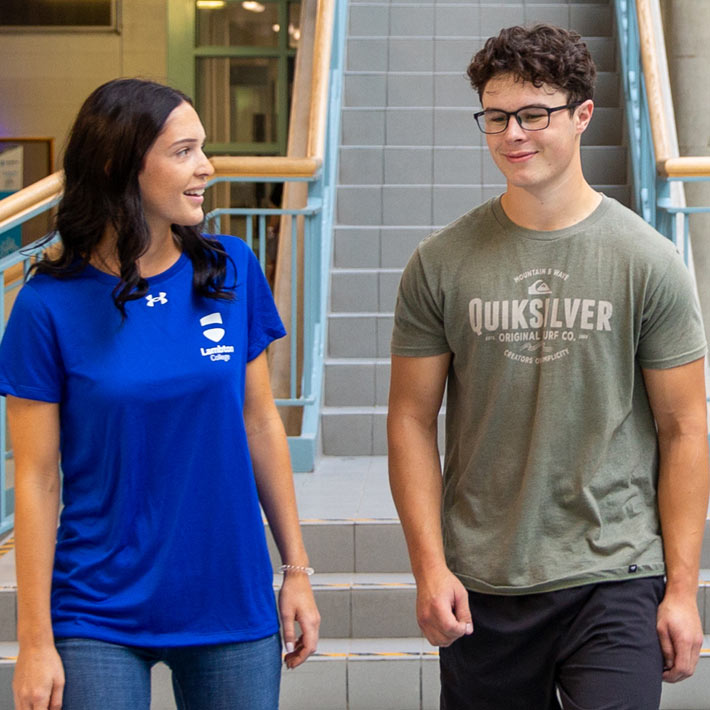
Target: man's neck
<point>547,211</point>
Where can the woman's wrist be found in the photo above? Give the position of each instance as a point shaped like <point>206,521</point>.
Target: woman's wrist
<point>296,569</point>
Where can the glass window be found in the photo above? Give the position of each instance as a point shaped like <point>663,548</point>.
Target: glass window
<point>57,13</point>
<point>238,99</point>
<point>247,24</point>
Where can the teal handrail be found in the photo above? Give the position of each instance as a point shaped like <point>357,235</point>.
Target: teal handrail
<point>658,196</point>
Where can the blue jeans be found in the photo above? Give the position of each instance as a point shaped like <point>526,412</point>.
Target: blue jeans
<point>235,676</point>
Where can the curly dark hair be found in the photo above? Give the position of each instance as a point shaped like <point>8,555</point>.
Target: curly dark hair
<point>543,54</point>
<point>115,128</point>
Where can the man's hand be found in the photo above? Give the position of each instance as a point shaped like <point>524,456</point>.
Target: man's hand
<point>681,635</point>
<point>442,608</point>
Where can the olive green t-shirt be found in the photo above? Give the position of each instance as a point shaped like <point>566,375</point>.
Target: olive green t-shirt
<point>551,462</point>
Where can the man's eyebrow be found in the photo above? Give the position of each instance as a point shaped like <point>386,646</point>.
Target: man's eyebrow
<point>495,108</point>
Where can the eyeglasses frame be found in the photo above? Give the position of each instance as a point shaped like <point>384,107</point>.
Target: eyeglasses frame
<point>508,114</point>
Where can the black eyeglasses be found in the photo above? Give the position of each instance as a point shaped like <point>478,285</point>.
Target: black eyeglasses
<point>529,118</point>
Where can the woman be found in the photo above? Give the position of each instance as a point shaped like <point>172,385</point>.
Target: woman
<point>138,353</point>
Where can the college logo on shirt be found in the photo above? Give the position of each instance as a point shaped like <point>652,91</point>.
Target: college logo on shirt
<point>212,331</point>
<point>151,300</point>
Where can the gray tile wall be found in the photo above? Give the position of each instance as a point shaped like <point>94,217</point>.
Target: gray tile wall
<point>412,159</point>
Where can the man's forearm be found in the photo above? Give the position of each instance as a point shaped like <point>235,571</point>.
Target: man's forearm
<point>682,504</point>
<point>415,479</point>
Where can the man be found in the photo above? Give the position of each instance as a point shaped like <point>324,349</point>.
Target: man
<point>557,559</point>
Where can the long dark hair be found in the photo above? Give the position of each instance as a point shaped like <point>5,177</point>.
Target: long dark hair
<point>112,133</point>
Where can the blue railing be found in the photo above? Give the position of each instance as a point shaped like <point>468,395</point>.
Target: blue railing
<point>659,197</point>
<point>311,237</point>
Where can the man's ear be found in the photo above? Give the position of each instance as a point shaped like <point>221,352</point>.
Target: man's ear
<point>583,115</point>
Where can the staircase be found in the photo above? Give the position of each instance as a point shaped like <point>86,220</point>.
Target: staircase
<point>412,160</point>
<point>371,655</point>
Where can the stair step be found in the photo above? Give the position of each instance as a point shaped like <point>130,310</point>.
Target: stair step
<point>370,674</point>
<point>365,605</point>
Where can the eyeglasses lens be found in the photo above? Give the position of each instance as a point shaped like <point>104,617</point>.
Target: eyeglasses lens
<point>531,119</point>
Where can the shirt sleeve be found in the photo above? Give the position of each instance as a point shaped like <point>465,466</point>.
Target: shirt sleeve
<point>672,332</point>
<point>264,321</point>
<point>30,361</point>
<point>418,317</point>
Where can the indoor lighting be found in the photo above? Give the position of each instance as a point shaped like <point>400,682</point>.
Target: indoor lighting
<point>210,4</point>
<point>253,6</point>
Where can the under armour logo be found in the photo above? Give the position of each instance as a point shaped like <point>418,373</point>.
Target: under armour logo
<point>213,334</point>
<point>152,300</point>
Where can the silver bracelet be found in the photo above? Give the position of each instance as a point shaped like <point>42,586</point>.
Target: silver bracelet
<point>296,568</point>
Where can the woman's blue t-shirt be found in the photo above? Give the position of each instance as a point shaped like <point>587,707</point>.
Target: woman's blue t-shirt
<point>161,540</point>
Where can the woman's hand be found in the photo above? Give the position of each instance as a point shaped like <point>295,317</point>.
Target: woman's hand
<point>296,603</point>
<point>38,683</point>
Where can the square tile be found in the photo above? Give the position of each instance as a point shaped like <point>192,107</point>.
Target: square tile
<point>455,54</point>
<point>346,434</point>
<point>363,127</point>
<point>410,165</point>
<point>457,166</point>
<point>407,54</point>
<point>398,245</point>
<point>416,89</point>
<point>380,547</point>
<point>367,54</point>
<point>386,612</point>
<point>409,126</point>
<point>454,89</point>
<point>455,127</point>
<point>330,547</point>
<point>384,684</point>
<point>365,89</point>
<point>369,21</point>
<point>458,20</point>
<point>349,384</point>
<point>412,20</point>
<point>356,248</point>
<point>360,165</point>
<point>352,336</point>
<point>359,205</point>
<point>335,612</point>
<point>406,205</point>
<point>453,201</point>
<point>319,683</point>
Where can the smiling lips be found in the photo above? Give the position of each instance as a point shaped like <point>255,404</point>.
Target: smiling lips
<point>519,157</point>
<point>197,193</point>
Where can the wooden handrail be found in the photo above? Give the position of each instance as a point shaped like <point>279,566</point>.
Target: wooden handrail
<point>322,45</point>
<point>264,166</point>
<point>690,166</point>
<point>667,165</point>
<point>32,196</point>
<point>649,62</point>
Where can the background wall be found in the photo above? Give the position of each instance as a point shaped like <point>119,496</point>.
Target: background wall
<point>46,76</point>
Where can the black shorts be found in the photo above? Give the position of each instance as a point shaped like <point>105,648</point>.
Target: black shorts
<point>593,647</point>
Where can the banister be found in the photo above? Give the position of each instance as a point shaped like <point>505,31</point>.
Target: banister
<point>649,62</point>
<point>322,45</point>
<point>668,165</point>
<point>264,166</point>
<point>32,196</point>
<point>687,167</point>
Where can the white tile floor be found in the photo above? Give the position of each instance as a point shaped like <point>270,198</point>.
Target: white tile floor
<point>346,487</point>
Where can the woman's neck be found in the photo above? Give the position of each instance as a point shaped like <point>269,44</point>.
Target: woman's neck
<point>161,254</point>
